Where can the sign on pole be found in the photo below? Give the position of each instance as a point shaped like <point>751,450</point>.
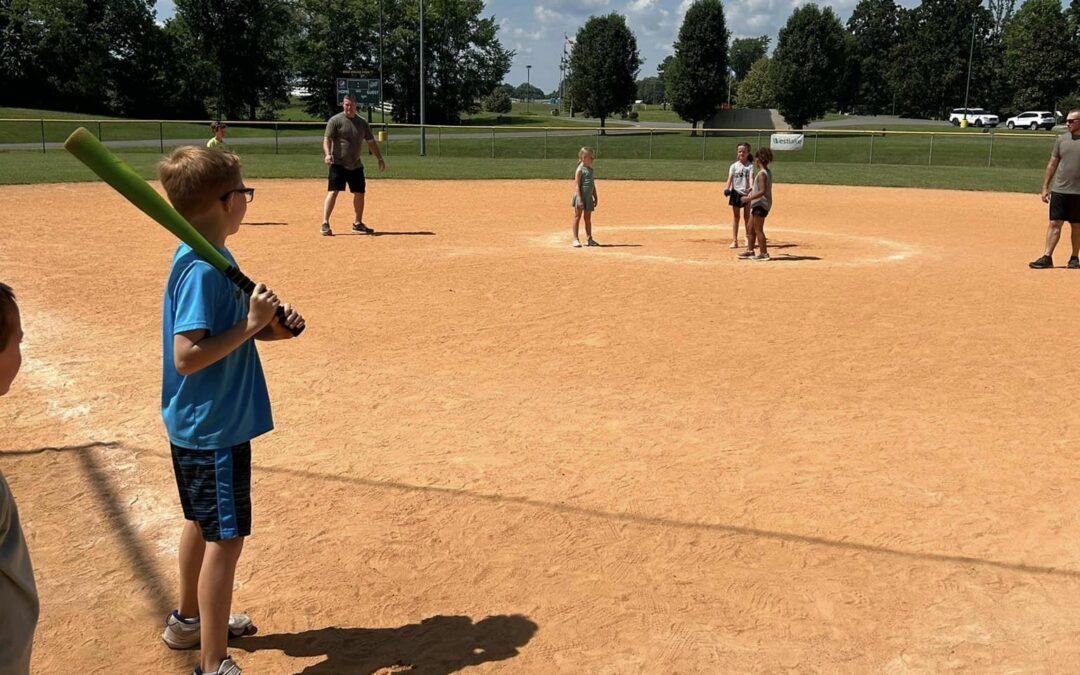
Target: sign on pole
<point>366,92</point>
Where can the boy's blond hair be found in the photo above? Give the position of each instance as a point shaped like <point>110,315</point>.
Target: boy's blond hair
<point>8,312</point>
<point>195,178</point>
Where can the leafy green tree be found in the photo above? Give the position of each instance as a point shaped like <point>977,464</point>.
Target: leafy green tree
<point>463,58</point>
<point>498,101</point>
<point>526,91</point>
<point>757,89</point>
<point>745,52</point>
<point>810,48</point>
<point>334,38</point>
<point>651,90</point>
<point>697,78</point>
<point>246,45</point>
<point>1039,55</point>
<point>930,62</point>
<point>603,66</point>
<point>875,27</point>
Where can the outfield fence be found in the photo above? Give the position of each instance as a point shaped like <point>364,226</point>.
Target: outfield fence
<point>991,148</point>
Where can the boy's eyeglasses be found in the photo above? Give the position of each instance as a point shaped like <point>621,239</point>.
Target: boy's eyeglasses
<point>249,194</point>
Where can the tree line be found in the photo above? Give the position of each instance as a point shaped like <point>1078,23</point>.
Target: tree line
<point>887,59</point>
<point>240,59</point>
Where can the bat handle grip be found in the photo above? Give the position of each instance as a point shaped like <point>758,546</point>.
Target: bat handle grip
<point>246,285</point>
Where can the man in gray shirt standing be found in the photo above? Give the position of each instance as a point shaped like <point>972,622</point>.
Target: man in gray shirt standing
<point>342,145</point>
<point>1064,195</point>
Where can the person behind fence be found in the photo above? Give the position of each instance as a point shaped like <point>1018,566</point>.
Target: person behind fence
<point>218,141</point>
<point>1061,190</point>
<point>759,201</point>
<point>345,134</point>
<point>585,199</point>
<point>740,178</point>
<point>18,593</point>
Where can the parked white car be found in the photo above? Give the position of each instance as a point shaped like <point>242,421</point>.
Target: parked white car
<point>1032,119</point>
<point>976,117</point>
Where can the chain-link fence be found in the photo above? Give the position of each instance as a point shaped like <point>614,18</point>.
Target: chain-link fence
<point>990,148</point>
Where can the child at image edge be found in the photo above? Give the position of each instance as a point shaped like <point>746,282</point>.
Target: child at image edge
<point>585,198</point>
<point>213,400</point>
<point>18,593</point>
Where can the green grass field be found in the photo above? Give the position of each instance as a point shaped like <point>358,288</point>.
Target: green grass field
<point>58,167</point>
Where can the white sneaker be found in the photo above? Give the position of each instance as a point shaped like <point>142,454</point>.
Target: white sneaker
<point>183,633</point>
<point>227,667</point>
<point>576,244</point>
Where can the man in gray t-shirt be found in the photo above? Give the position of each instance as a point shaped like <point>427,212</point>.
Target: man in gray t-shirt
<point>1061,189</point>
<point>346,133</point>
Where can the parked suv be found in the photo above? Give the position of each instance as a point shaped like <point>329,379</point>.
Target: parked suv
<point>1033,119</point>
<point>975,117</point>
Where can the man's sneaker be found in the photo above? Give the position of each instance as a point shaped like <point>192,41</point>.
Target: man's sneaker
<point>1043,263</point>
<point>227,667</point>
<point>181,633</point>
<point>362,228</point>
<point>576,244</point>
<point>591,242</point>
<point>761,256</point>
<point>326,230</point>
<point>746,255</point>
<point>1074,263</point>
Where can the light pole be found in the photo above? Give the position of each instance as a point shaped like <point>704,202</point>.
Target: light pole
<point>423,135</point>
<point>971,53</point>
<point>528,88</point>
<point>382,102</point>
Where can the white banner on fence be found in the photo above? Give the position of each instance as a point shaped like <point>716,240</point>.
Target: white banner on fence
<point>787,141</point>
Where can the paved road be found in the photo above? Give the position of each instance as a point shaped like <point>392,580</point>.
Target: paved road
<point>884,120</point>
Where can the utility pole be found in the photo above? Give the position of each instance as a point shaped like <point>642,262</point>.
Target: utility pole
<point>971,54</point>
<point>528,88</point>
<point>382,101</point>
<point>423,137</point>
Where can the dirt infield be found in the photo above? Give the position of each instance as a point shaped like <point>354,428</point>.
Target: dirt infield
<point>493,450</point>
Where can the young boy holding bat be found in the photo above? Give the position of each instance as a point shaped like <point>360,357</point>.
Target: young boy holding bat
<point>213,401</point>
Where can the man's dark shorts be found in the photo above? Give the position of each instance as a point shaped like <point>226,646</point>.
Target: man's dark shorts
<point>340,177</point>
<point>1065,207</point>
<point>215,489</point>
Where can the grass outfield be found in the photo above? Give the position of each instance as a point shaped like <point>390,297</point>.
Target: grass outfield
<point>58,167</point>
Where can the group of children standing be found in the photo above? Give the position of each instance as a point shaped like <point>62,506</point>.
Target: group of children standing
<point>748,189</point>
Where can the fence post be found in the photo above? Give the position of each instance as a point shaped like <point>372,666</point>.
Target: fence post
<point>872,134</point>
<point>438,148</point>
<point>545,142</point>
<point>758,138</point>
<point>161,136</point>
<point>990,158</point>
<point>275,138</point>
<point>816,134</point>
<point>930,162</point>
<point>703,137</point>
<point>650,143</point>
<point>493,142</point>
<point>99,132</point>
<point>43,135</point>
<point>598,142</point>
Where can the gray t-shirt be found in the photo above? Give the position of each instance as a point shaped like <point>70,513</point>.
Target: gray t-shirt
<point>18,593</point>
<point>1067,176</point>
<point>347,136</point>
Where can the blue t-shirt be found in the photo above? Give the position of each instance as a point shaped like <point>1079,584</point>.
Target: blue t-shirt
<point>226,403</point>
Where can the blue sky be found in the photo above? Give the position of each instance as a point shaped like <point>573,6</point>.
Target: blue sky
<point>534,28</point>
